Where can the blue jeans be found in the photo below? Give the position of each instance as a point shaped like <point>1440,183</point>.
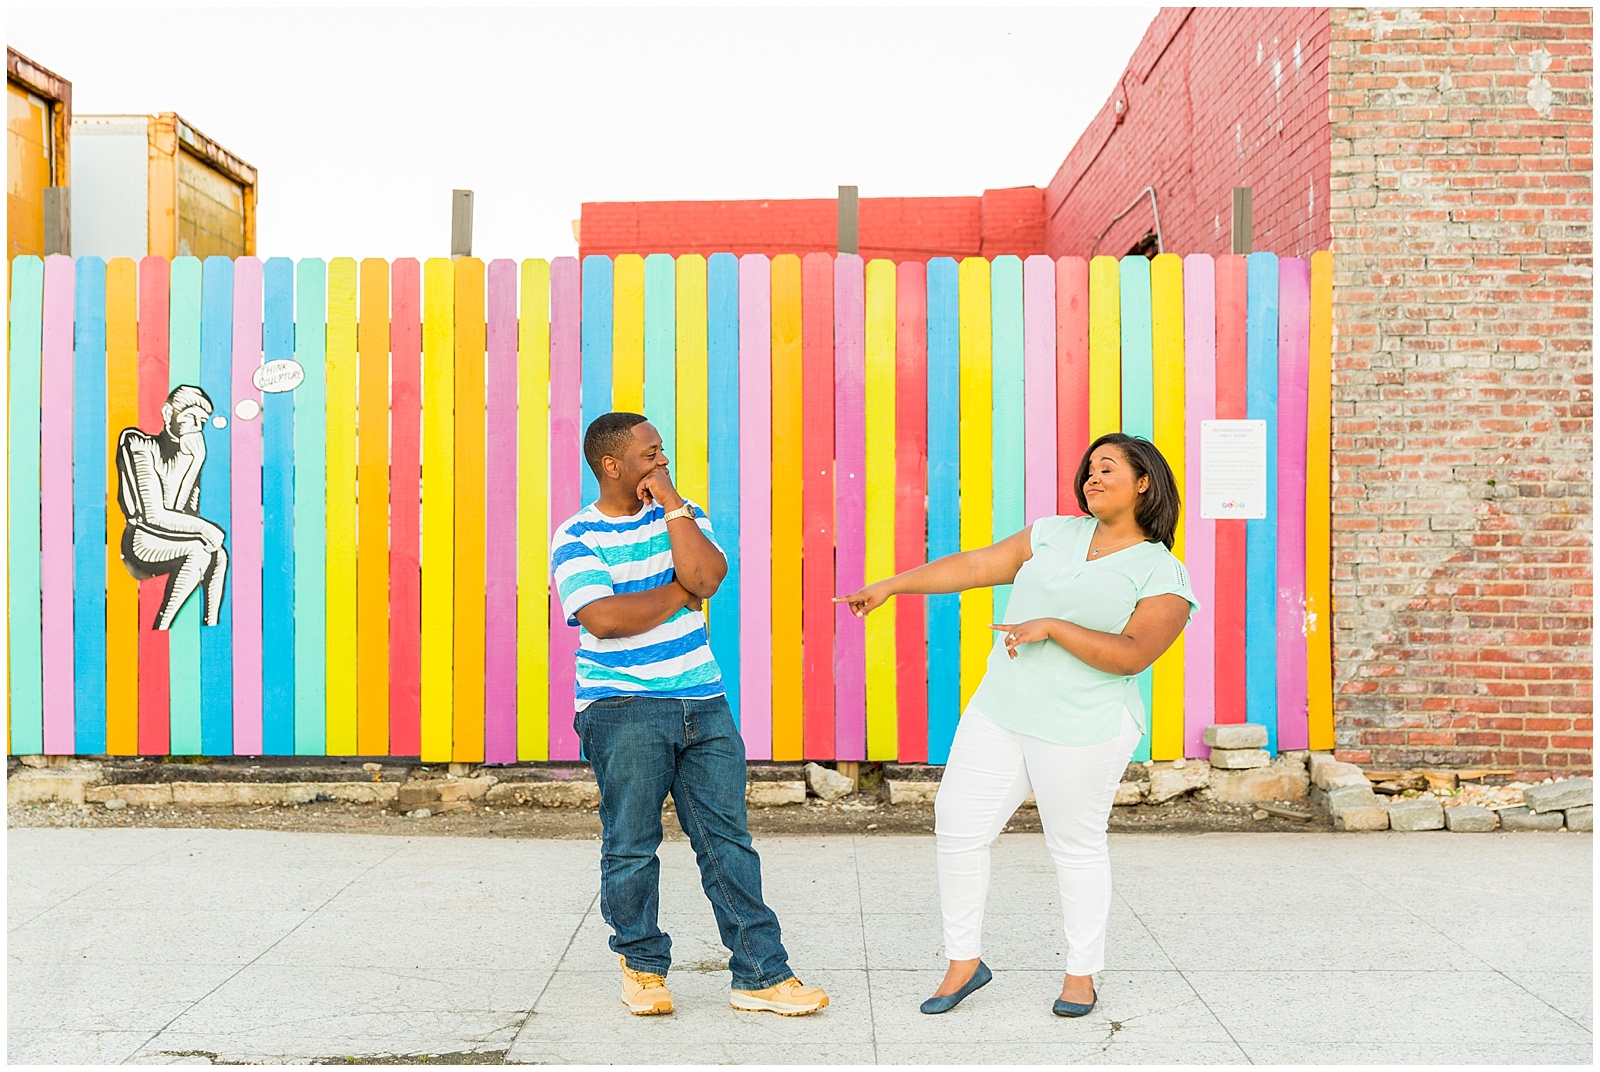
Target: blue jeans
<point>641,748</point>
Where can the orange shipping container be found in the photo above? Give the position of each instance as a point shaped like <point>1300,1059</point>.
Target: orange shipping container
<point>154,185</point>
<point>38,124</point>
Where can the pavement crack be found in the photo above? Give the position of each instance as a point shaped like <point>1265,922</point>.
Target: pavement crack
<point>459,1057</point>
<point>1116,1025</point>
<point>1540,998</point>
<point>306,918</point>
<point>872,1020</point>
<point>1186,981</point>
<point>533,1009</point>
<point>125,867</point>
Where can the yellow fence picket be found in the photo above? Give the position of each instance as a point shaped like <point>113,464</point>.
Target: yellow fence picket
<point>438,507</point>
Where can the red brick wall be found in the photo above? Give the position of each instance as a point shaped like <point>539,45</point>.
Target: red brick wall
<point>1013,221</point>
<point>899,228</point>
<point>1213,98</point>
<point>1462,236</point>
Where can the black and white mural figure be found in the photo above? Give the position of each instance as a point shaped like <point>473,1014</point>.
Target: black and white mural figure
<point>158,488</point>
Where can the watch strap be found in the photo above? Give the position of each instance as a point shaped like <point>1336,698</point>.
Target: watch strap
<point>683,511</point>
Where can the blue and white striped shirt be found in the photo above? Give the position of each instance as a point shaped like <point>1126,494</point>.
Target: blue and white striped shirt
<point>593,556</point>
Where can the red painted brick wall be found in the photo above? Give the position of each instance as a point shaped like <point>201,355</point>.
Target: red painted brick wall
<point>1463,408</point>
<point>899,228</point>
<point>1213,98</point>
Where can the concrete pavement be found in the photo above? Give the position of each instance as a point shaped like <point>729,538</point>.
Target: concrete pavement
<point>162,946</point>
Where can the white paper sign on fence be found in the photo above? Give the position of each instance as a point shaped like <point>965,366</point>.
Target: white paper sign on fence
<point>278,376</point>
<point>1233,469</point>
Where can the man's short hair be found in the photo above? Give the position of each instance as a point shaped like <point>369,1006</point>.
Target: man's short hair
<point>608,436</point>
<point>187,396</point>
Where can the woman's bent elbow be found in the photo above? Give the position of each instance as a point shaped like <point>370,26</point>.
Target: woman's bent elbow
<point>1133,664</point>
<point>1138,664</point>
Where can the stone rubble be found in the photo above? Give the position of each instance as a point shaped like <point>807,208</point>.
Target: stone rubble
<point>576,793</point>
<point>905,783</point>
<point>1559,796</point>
<point>909,792</point>
<point>1235,735</point>
<point>1168,782</point>
<point>1239,758</point>
<point>1282,812</point>
<point>1352,807</point>
<point>1239,772</point>
<point>1328,773</point>
<point>1128,794</point>
<point>1424,813</point>
<point>1524,819</point>
<point>774,794</point>
<point>1471,819</point>
<point>1283,780</point>
<point>828,784</point>
<point>1493,797</point>
<point>1362,817</point>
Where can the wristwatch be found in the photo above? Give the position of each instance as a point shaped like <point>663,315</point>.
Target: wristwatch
<point>683,511</point>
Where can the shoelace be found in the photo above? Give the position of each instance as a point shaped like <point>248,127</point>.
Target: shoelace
<point>646,980</point>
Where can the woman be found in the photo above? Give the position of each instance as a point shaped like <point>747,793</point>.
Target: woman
<point>1094,600</point>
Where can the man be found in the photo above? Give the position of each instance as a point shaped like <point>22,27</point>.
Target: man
<point>633,569</point>
<point>158,488</point>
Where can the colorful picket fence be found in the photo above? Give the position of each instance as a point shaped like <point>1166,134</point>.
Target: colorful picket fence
<point>388,520</point>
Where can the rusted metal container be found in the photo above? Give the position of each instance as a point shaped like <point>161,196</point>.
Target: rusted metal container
<point>153,185</point>
<point>38,139</point>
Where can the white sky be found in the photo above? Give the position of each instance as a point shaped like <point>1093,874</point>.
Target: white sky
<point>361,120</point>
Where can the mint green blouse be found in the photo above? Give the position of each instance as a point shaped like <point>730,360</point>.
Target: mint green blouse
<point>1046,691</point>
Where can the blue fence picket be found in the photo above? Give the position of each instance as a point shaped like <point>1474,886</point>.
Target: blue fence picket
<point>89,475</point>
<point>596,383</point>
<point>722,457</point>
<point>277,515</point>
<point>216,498</point>
<point>944,501</point>
<point>1261,536</point>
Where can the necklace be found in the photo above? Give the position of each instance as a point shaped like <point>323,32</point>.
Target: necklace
<point>1096,551</point>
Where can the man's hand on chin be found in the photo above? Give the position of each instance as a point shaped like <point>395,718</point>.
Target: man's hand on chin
<point>657,487</point>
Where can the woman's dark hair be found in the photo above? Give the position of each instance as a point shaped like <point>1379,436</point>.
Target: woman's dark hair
<point>1157,512</point>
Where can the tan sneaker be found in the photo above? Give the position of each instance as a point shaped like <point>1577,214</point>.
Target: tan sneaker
<point>644,993</point>
<point>789,998</point>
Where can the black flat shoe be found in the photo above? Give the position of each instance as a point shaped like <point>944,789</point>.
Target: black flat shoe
<point>949,1001</point>
<point>1073,1008</point>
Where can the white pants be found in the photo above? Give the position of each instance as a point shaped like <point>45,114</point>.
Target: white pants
<point>990,772</point>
